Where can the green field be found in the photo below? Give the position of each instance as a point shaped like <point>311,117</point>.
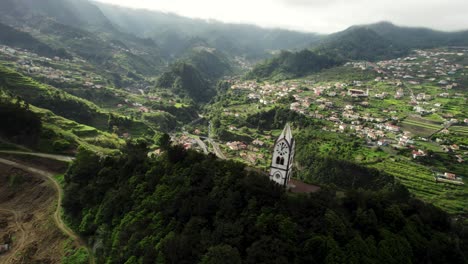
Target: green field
<point>420,181</point>
<point>420,126</point>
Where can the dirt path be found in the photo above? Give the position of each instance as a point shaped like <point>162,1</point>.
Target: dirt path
<point>21,241</point>
<point>42,155</point>
<point>57,216</point>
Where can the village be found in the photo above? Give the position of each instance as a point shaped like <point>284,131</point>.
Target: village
<point>74,76</point>
<point>414,92</point>
<point>419,95</point>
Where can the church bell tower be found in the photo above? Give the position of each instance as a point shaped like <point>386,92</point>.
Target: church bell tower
<point>282,160</point>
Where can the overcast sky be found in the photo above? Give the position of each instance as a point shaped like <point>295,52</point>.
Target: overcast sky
<point>323,16</point>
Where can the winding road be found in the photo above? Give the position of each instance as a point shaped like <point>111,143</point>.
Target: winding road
<point>57,216</point>
<point>42,155</point>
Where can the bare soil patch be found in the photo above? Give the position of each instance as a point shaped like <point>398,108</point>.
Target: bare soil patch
<point>27,206</point>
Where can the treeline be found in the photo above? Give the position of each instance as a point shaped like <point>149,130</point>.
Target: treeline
<point>184,207</point>
<point>289,65</point>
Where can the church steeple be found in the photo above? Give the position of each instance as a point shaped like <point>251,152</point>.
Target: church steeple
<point>282,158</point>
<point>286,134</point>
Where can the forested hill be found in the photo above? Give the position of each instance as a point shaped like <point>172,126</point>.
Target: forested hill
<point>184,207</point>
<point>292,64</point>
<point>196,75</point>
<point>419,37</point>
<point>12,37</point>
<point>359,43</point>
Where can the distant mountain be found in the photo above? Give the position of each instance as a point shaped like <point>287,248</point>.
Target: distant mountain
<point>418,37</point>
<point>364,42</point>
<point>77,13</point>
<point>82,29</point>
<point>173,32</point>
<point>359,43</point>
<point>292,64</point>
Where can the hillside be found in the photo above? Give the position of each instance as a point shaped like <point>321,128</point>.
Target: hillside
<point>80,27</point>
<point>184,207</point>
<point>357,43</point>
<point>419,37</point>
<point>195,75</point>
<point>292,64</point>
<point>186,80</point>
<point>64,104</point>
<point>11,37</point>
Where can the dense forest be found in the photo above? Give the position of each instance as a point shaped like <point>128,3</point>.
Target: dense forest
<point>184,207</point>
<point>186,80</point>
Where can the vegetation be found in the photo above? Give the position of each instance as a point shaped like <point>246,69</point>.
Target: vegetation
<point>12,37</point>
<point>288,65</point>
<point>19,124</point>
<point>419,37</point>
<point>62,103</point>
<point>186,80</point>
<point>183,207</point>
<point>358,43</point>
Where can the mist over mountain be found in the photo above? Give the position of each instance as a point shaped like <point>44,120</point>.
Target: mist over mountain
<point>170,30</point>
<point>418,37</point>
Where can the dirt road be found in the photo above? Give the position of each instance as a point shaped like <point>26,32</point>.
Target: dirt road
<point>19,244</point>
<point>57,216</point>
<point>42,155</point>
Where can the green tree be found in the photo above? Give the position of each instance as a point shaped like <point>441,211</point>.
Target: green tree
<point>221,254</point>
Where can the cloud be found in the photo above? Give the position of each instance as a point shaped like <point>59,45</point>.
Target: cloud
<point>323,16</point>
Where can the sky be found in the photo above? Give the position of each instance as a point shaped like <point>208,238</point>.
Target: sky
<point>322,16</point>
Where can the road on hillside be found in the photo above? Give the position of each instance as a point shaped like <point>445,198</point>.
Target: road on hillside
<point>57,216</point>
<point>42,155</point>
<point>19,244</point>
<point>201,144</point>
<point>216,149</point>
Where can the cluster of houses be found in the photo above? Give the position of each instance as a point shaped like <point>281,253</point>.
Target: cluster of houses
<point>317,100</point>
<point>40,67</point>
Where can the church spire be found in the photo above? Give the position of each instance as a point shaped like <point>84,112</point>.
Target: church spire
<point>282,158</point>
<point>286,134</point>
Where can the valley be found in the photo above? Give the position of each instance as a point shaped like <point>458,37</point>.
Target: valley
<point>136,136</point>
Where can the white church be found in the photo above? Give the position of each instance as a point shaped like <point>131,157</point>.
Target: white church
<point>282,160</point>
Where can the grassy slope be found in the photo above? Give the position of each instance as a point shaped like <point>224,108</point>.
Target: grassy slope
<point>60,102</point>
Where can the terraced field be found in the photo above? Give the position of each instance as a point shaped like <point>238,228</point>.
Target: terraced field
<point>459,129</point>
<point>420,181</point>
<point>420,126</point>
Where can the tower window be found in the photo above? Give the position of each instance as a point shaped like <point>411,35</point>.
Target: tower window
<point>282,161</point>
<point>278,160</point>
